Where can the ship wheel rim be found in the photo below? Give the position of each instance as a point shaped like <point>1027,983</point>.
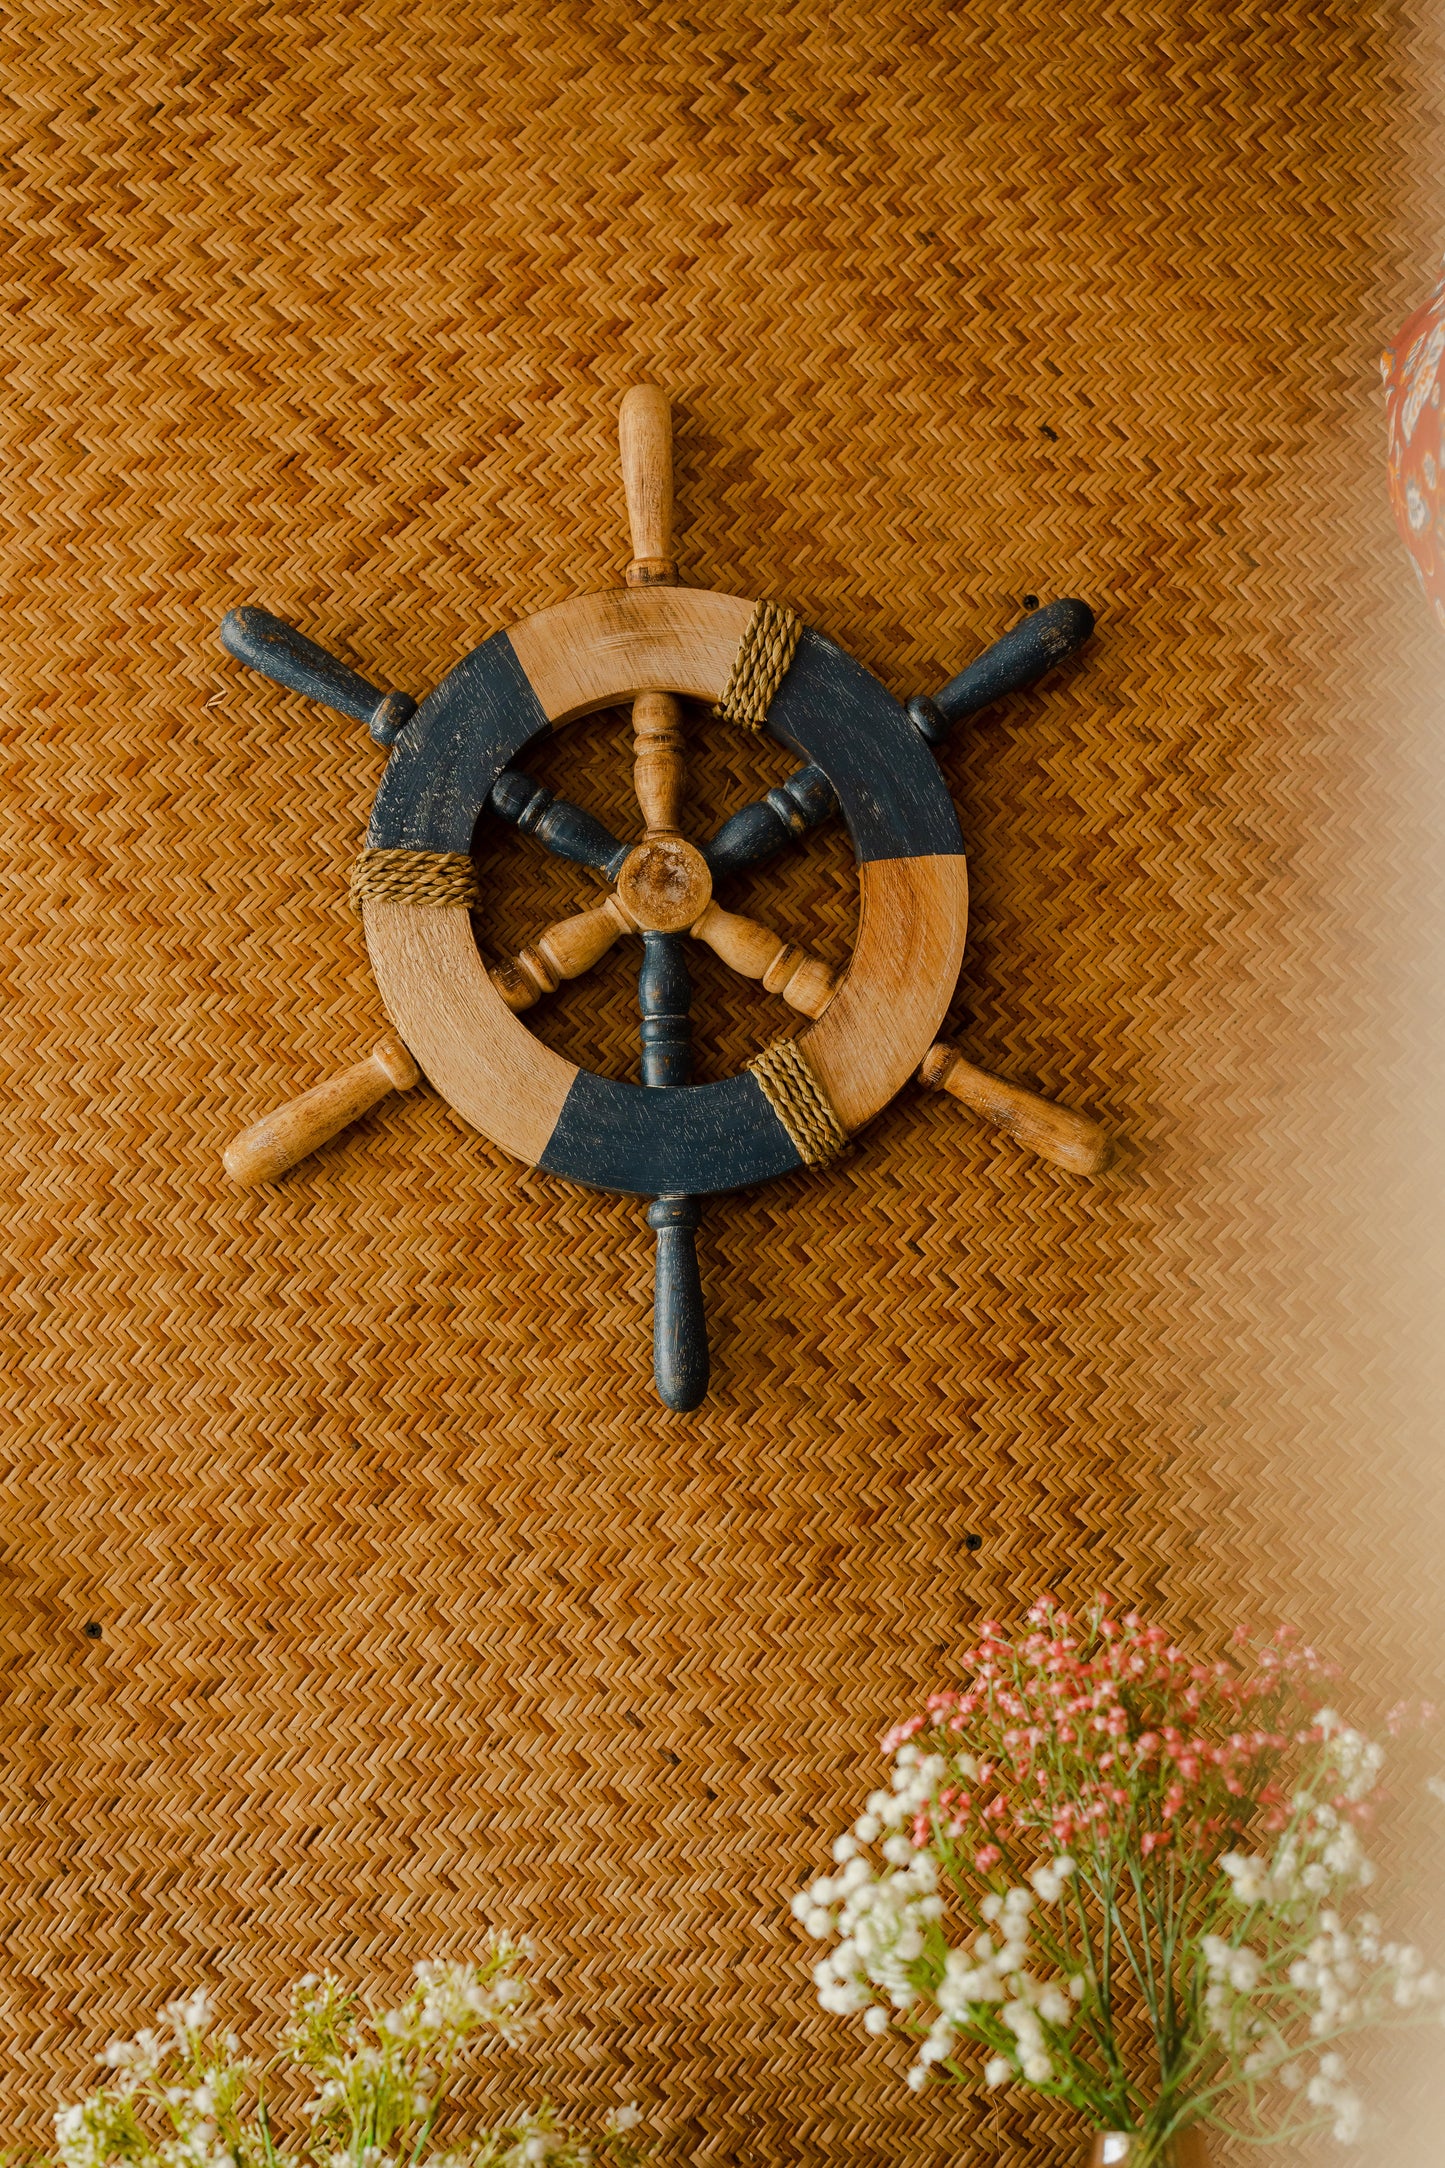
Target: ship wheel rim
<point>602,650</point>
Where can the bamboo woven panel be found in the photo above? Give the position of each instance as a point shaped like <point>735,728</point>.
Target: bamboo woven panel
<point>416,1612</point>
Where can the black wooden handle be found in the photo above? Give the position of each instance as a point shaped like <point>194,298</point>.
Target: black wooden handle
<point>562,827</point>
<point>1040,640</point>
<point>757,830</point>
<point>679,1323</point>
<point>280,652</point>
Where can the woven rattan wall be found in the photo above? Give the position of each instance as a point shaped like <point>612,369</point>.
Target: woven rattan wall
<point>415,1611</point>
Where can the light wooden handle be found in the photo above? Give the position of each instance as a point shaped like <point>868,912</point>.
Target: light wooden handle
<point>277,1142</point>
<point>563,950</point>
<point>1069,1140</point>
<point>644,429</point>
<point>803,980</point>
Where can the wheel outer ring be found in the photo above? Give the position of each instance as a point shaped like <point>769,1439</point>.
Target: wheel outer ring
<point>601,650</point>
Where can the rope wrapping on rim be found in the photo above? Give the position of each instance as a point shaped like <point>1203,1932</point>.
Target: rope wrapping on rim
<point>799,1101</point>
<point>442,880</point>
<point>760,665</point>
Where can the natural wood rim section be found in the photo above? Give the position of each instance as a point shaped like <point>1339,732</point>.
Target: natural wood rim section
<point>482,1060</point>
<point>600,650</point>
<point>886,1013</point>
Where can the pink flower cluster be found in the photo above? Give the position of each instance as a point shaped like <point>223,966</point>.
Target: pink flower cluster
<point>1102,1730</point>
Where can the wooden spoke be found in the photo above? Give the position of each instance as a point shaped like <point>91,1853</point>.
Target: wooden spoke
<point>1037,642</point>
<point>665,883</point>
<point>561,827</point>
<point>679,1322</point>
<point>755,831</point>
<point>658,767</point>
<point>644,431</point>
<point>563,950</point>
<point>803,980</point>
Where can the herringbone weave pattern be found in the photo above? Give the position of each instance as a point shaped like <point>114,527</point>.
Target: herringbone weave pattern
<point>415,1611</point>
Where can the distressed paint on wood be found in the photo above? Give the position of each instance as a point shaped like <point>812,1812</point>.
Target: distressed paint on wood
<point>695,1139</point>
<point>445,762</point>
<point>833,711</point>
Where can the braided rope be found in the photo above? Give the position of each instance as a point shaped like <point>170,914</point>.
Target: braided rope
<point>444,880</point>
<point>799,1101</point>
<point>760,665</point>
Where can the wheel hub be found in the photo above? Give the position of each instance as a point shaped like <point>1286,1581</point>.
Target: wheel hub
<point>665,884</point>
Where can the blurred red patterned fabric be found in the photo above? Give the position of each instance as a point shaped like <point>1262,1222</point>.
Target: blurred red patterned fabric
<point>1411,369</point>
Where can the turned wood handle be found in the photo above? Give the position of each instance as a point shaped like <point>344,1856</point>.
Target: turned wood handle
<point>1069,1140</point>
<point>644,429</point>
<point>278,651</point>
<point>680,1363</point>
<point>1036,643</point>
<point>279,1140</point>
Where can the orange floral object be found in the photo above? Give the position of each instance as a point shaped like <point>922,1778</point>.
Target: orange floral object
<point>1411,369</point>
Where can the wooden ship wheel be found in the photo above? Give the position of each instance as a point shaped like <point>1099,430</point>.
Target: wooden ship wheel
<point>865,1033</point>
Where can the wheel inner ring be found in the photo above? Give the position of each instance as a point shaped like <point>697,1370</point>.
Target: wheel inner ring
<point>598,651</point>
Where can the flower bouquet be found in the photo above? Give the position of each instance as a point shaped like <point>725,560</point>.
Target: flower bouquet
<point>1127,1880</point>
<point>373,2084</point>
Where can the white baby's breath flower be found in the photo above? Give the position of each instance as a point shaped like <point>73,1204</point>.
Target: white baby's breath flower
<point>1249,1877</point>
<point>997,2071</point>
<point>1049,1879</point>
